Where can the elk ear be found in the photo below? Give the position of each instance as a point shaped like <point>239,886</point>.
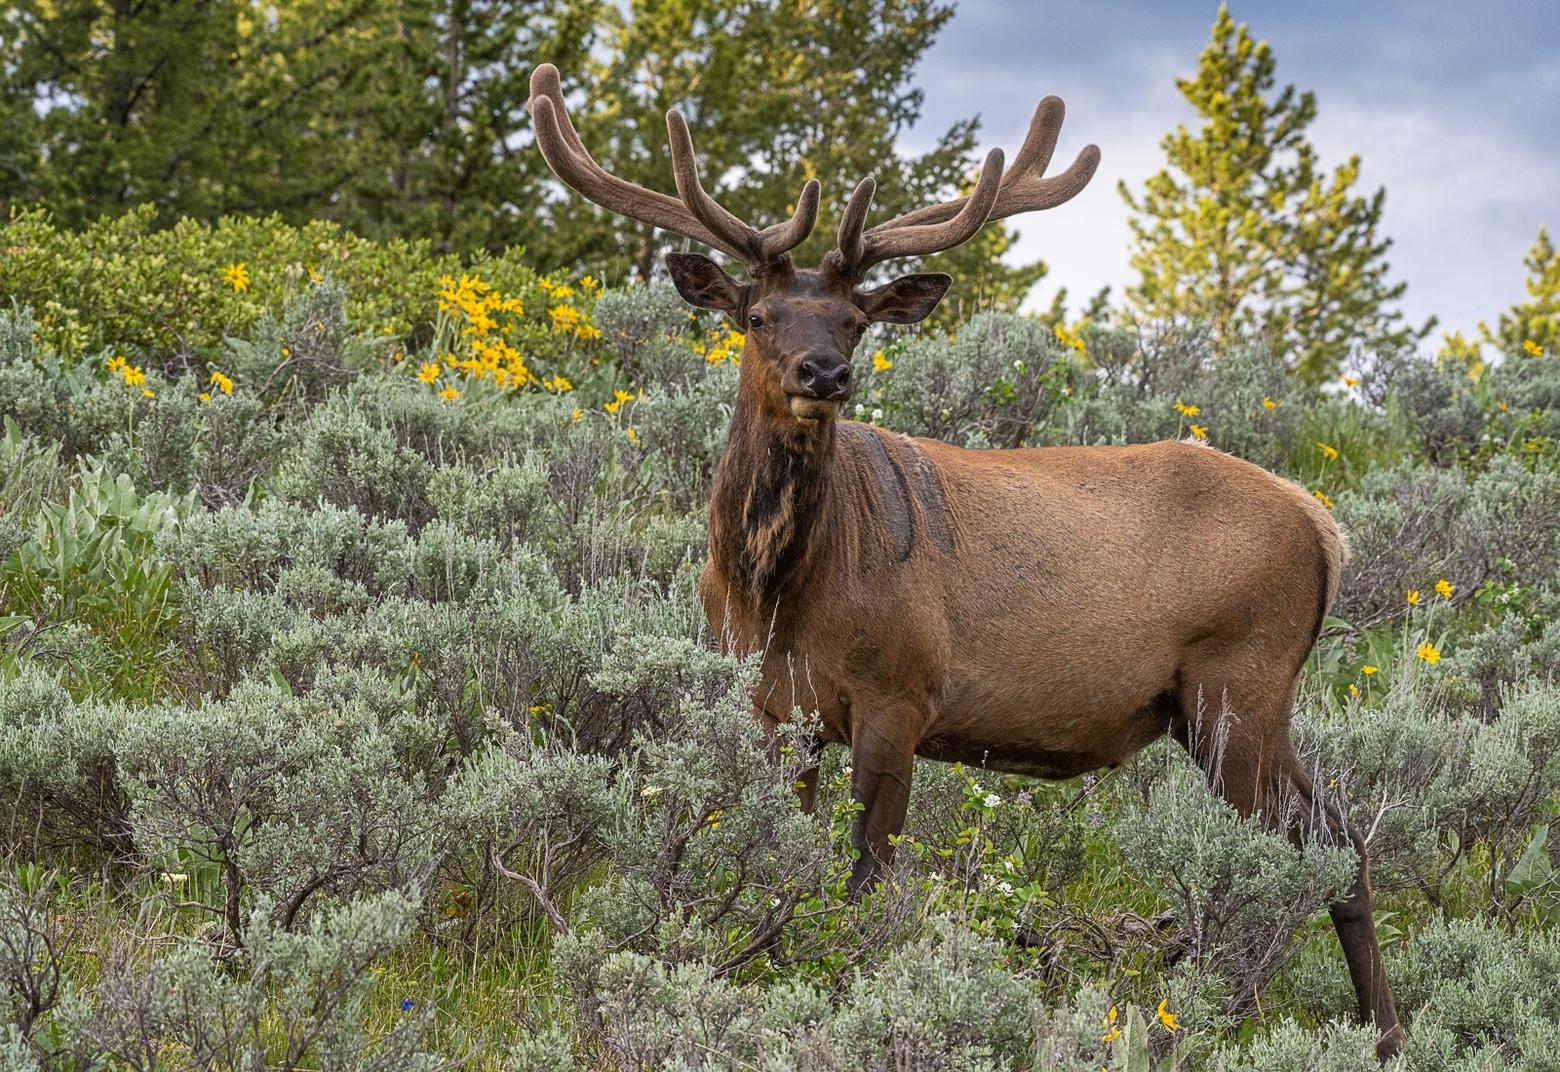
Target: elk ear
<point>705,284</point>
<point>909,299</point>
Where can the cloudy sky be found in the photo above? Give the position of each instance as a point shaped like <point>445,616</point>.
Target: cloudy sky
<point>1453,106</point>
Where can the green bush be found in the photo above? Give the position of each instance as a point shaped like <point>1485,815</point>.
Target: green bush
<point>383,677</point>
<point>124,284</point>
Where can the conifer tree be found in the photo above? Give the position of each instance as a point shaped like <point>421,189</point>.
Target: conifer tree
<point>1533,327</point>
<point>1244,233</point>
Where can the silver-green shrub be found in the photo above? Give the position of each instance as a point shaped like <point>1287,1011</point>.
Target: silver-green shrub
<point>997,384</point>
<point>279,796</point>
<point>1237,887</point>
<point>292,1001</point>
<point>58,771</point>
<point>1426,785</point>
<point>1413,523</point>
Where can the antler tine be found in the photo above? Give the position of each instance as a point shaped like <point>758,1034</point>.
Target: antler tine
<point>545,82</point>
<point>570,161</point>
<point>685,171</point>
<point>781,238</point>
<point>895,239</point>
<point>1024,188</point>
<point>757,247</point>
<point>855,218</point>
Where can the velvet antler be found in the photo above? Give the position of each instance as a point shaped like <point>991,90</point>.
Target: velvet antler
<point>697,215</point>
<point>997,195</point>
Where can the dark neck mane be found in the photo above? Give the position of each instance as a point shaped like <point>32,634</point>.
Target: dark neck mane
<point>768,507</point>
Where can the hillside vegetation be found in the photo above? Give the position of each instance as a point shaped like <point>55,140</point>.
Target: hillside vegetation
<point>357,710</point>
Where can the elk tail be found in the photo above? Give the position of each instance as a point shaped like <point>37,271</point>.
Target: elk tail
<point>1333,547</point>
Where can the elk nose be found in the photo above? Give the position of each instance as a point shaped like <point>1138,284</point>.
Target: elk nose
<point>825,377</point>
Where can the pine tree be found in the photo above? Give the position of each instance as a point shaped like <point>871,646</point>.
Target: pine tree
<point>1533,327</point>
<point>1243,233</point>
<point>202,109</point>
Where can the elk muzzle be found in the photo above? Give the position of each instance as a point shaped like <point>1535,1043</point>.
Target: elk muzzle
<point>823,382</point>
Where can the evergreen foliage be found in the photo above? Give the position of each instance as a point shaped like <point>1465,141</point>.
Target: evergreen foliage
<point>1246,233</point>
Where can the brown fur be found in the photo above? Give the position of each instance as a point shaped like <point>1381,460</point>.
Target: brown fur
<point>1046,612</point>
<point>1043,611</point>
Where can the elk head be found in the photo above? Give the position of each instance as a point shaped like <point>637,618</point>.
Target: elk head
<point>802,325</point>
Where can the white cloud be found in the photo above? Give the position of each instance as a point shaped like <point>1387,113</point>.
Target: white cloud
<point>1462,203</point>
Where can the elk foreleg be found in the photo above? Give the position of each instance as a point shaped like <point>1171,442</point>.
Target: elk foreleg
<point>811,749</point>
<point>807,789</point>
<point>882,763</point>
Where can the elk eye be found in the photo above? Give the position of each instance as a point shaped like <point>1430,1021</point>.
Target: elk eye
<point>755,321</point>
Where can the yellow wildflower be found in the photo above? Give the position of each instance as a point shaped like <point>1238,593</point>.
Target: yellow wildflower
<point>205,396</point>
<point>617,402</point>
<point>1444,588</point>
<point>633,436</point>
<point>1351,381</point>
<point>1330,453</point>
<point>449,394</point>
<point>1354,690</point>
<point>1069,338</point>
<point>1198,431</point>
<point>1322,497</point>
<point>116,363</point>
<point>578,414</point>
<point>221,382</point>
<point>1185,410</point>
<point>590,282</point>
<point>1429,653</point>
<point>559,383</point>
<point>1413,597</point>
<point>1504,407</point>
<point>1268,403</point>
<point>1171,1021</point>
<point>236,275</point>
<point>1112,1030</point>
<point>1532,348</point>
<point>429,372</point>
<point>314,276</point>
<point>881,363</point>
<point>133,376</point>
<point>147,392</point>
<point>1368,669</point>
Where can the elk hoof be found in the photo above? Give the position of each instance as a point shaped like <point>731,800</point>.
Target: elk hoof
<point>863,878</point>
<point>1390,1043</point>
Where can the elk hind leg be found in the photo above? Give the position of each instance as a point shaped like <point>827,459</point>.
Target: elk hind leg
<point>1353,916</point>
<point>1241,740</point>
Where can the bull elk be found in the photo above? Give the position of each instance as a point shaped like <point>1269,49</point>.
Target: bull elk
<point>1039,611</point>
